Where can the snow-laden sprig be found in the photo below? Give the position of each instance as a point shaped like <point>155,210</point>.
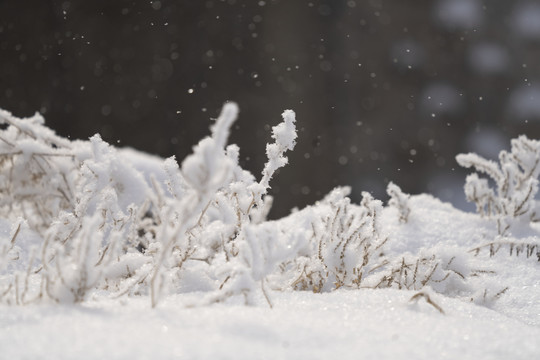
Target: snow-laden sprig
<point>516,180</point>
<point>176,185</point>
<point>399,200</point>
<point>250,246</point>
<point>32,127</point>
<point>205,171</point>
<point>284,135</point>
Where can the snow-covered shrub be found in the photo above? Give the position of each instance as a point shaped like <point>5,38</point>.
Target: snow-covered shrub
<point>250,247</point>
<point>437,269</point>
<point>202,174</point>
<point>516,183</point>
<point>346,244</point>
<point>80,197</point>
<point>101,225</point>
<point>262,249</point>
<point>211,222</point>
<point>37,171</point>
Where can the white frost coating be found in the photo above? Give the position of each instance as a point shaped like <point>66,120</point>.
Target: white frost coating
<point>399,200</point>
<point>488,167</point>
<point>516,179</point>
<point>220,131</point>
<point>208,168</point>
<point>175,182</point>
<point>284,135</point>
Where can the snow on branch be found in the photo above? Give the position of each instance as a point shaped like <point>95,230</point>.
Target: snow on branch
<point>284,135</point>
<point>516,183</point>
<point>399,200</point>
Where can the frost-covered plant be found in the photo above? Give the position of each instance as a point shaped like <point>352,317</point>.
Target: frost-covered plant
<point>400,201</point>
<point>437,269</point>
<point>209,219</point>
<point>346,244</point>
<point>515,179</point>
<point>262,248</point>
<point>252,248</point>
<point>80,244</point>
<point>37,171</point>
<point>80,197</point>
<point>284,135</point>
<point>204,172</point>
<point>102,225</point>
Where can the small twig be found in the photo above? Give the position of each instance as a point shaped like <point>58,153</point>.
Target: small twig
<point>10,122</point>
<point>16,233</point>
<point>417,296</point>
<point>265,294</point>
<point>7,141</point>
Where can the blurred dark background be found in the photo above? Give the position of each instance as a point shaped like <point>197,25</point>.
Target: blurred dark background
<point>384,90</point>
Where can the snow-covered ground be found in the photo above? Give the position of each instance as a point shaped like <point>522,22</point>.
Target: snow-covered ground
<point>367,324</point>
<point>199,273</point>
<point>345,324</point>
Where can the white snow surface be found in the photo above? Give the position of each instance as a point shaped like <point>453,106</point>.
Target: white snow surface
<point>370,324</point>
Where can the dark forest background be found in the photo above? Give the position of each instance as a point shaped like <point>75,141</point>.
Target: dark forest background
<point>384,90</point>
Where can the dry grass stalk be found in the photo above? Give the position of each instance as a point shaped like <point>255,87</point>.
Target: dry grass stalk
<point>428,299</point>
<point>528,248</point>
